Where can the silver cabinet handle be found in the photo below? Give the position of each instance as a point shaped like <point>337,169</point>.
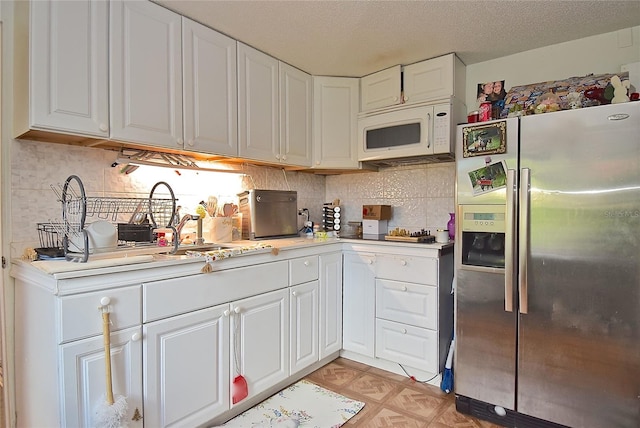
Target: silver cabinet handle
<point>525,184</point>
<point>509,253</point>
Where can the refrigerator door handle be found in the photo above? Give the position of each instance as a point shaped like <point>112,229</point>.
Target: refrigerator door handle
<point>509,252</point>
<point>525,185</point>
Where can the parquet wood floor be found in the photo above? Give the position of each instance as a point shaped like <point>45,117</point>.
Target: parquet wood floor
<point>392,401</point>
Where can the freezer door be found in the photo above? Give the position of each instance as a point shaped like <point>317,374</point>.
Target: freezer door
<point>473,160</point>
<point>579,340</point>
<point>485,355</point>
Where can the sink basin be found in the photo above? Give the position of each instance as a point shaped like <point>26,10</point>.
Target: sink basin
<point>182,250</point>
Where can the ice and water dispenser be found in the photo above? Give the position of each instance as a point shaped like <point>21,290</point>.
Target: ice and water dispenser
<point>483,235</point>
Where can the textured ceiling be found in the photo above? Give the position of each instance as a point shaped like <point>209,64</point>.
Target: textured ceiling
<point>356,38</point>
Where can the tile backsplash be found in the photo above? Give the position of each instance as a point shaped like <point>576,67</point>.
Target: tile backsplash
<point>421,196</point>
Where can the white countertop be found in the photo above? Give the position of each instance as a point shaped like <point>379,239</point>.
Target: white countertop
<point>123,260</point>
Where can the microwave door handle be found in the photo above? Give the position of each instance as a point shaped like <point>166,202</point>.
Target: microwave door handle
<point>429,130</point>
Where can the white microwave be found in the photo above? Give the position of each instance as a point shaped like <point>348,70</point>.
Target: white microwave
<point>408,131</point>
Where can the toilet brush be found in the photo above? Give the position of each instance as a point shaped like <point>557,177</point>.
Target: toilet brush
<point>110,413</point>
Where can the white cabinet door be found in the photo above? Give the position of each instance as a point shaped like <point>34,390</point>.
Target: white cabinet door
<point>82,374</point>
<point>210,90</point>
<point>381,89</point>
<point>258,114</point>
<point>304,326</point>
<point>358,308</point>
<point>187,368</point>
<point>429,80</point>
<point>330,324</point>
<point>69,67</point>
<point>295,116</point>
<point>146,74</point>
<point>260,337</point>
<point>335,122</point>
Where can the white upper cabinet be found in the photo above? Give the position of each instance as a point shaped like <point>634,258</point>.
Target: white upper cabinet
<point>274,109</point>
<point>146,74</point>
<point>430,80</point>
<point>67,87</point>
<point>210,90</point>
<point>433,79</point>
<point>258,124</point>
<point>295,116</point>
<point>381,89</point>
<point>335,124</point>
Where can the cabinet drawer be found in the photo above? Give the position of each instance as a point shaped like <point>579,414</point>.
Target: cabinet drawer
<point>79,314</point>
<point>420,270</point>
<point>407,303</point>
<point>175,296</point>
<point>303,270</point>
<point>405,344</point>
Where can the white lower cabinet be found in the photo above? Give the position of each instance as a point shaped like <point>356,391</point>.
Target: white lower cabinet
<point>330,322</point>
<point>358,306</point>
<point>304,325</point>
<point>179,337</point>
<point>186,361</point>
<point>398,307</point>
<point>407,345</point>
<point>84,383</point>
<point>260,340</point>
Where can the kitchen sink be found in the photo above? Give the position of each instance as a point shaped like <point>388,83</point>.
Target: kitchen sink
<point>182,250</point>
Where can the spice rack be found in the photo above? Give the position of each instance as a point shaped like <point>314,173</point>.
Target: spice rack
<point>158,209</point>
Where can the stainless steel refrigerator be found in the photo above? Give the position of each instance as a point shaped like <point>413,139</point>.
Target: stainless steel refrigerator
<point>548,269</point>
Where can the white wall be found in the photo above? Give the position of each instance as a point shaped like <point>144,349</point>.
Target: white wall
<point>604,53</point>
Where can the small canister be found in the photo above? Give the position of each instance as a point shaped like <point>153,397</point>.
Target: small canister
<point>442,236</point>
<point>484,112</point>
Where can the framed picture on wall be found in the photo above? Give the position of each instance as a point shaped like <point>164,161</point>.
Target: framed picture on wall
<point>479,140</point>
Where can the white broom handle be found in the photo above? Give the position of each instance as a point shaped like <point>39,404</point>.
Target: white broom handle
<point>449,362</point>
<point>107,355</point>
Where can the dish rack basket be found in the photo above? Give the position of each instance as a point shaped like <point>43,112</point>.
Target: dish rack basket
<point>69,234</point>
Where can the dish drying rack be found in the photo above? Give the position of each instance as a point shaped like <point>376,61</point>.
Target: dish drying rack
<point>70,233</point>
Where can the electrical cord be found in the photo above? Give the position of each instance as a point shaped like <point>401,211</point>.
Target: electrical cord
<point>413,378</point>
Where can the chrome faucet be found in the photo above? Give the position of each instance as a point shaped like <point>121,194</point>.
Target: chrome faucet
<point>184,220</point>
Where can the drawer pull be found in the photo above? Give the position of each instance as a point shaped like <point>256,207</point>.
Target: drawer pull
<point>369,261</point>
<point>105,301</point>
<point>404,288</point>
<point>306,263</point>
<point>403,331</point>
<point>403,262</point>
<point>136,337</point>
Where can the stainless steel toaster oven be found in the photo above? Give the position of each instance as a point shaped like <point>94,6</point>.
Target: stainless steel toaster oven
<point>269,213</point>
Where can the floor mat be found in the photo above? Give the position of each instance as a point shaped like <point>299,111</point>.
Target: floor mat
<point>303,404</point>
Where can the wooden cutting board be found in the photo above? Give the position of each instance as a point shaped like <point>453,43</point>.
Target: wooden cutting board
<point>427,239</point>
